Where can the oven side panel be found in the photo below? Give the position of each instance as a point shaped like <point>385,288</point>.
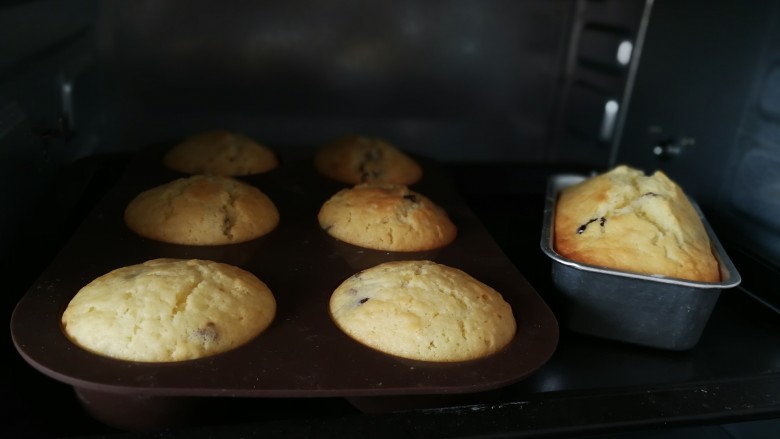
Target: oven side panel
<point>48,75</point>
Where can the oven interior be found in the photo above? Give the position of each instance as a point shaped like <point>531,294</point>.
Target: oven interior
<point>503,93</point>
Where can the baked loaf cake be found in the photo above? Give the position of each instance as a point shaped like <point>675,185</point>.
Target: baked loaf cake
<point>384,216</point>
<point>222,153</point>
<point>167,310</point>
<point>202,210</point>
<point>626,220</point>
<point>424,311</point>
<point>357,159</point>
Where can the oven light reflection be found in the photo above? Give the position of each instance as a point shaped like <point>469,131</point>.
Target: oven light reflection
<point>608,122</point>
<point>624,52</point>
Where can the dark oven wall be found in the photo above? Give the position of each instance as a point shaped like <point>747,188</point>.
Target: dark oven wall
<point>460,80</point>
<point>456,80</point>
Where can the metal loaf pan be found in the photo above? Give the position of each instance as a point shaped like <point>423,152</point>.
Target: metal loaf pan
<point>646,310</point>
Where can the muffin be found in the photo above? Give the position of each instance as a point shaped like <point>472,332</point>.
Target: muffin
<point>202,210</point>
<point>166,310</point>
<point>626,220</point>
<point>384,216</point>
<point>358,159</point>
<point>220,152</point>
<point>421,310</point>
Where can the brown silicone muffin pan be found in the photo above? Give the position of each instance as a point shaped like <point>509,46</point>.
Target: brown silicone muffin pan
<point>302,353</point>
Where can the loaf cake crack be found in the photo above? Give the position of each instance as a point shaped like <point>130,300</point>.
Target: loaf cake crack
<point>647,225</point>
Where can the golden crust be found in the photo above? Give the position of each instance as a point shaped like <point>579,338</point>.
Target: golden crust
<point>357,159</point>
<point>625,220</point>
<point>424,311</point>
<point>167,310</point>
<point>220,152</point>
<point>383,216</point>
<point>202,210</point>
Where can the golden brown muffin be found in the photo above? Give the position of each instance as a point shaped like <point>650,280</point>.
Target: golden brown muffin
<point>626,220</point>
<point>384,216</point>
<point>167,310</point>
<point>202,210</point>
<point>424,311</point>
<point>358,159</point>
<point>222,153</point>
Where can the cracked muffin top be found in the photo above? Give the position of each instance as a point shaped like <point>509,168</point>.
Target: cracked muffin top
<point>220,152</point>
<point>202,210</point>
<point>357,159</point>
<point>384,216</point>
<point>422,310</point>
<point>626,220</point>
<point>166,310</point>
